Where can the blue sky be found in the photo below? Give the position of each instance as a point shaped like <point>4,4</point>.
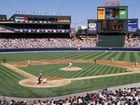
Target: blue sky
<point>80,10</point>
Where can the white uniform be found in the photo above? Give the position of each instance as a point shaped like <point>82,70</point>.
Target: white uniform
<point>29,62</point>
<point>44,80</point>
<point>136,64</point>
<point>112,59</point>
<point>70,64</point>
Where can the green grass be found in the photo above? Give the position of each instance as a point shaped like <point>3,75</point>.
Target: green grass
<point>9,80</point>
<point>88,69</point>
<point>127,56</point>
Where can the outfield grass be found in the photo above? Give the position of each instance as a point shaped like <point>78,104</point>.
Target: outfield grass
<point>9,80</point>
<point>125,56</point>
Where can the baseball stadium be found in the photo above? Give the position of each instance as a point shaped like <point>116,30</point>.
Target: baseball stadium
<point>42,58</point>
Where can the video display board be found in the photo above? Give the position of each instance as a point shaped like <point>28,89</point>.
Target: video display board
<point>92,26</point>
<point>101,13</point>
<point>114,12</point>
<point>132,25</point>
<point>123,13</point>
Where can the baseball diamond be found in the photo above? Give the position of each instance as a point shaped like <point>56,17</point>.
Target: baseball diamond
<point>20,79</point>
<point>73,53</point>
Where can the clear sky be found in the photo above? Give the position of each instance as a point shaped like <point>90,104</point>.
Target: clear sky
<point>79,10</point>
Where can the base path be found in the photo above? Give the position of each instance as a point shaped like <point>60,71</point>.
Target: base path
<point>19,71</point>
<point>31,80</point>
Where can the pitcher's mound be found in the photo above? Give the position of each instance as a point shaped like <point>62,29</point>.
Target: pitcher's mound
<point>71,68</point>
<point>32,82</point>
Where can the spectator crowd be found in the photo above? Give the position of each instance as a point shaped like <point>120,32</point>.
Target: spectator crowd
<point>126,96</point>
<point>132,43</point>
<point>46,43</point>
<point>59,43</point>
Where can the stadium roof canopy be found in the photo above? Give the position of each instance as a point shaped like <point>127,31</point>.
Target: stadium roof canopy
<point>38,16</point>
<point>2,16</point>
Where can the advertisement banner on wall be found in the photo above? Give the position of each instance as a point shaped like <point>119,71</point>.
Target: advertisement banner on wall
<point>132,25</point>
<point>101,13</point>
<point>92,26</point>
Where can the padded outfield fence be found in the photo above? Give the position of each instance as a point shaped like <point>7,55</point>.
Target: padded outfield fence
<point>70,49</point>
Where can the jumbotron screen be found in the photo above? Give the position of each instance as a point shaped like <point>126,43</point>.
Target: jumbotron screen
<point>115,12</point>
<point>112,26</point>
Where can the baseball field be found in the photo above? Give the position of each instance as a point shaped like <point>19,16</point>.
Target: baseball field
<point>89,71</point>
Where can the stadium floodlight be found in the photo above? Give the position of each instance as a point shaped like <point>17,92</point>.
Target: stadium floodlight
<point>16,29</point>
<point>46,31</point>
<point>21,30</point>
<point>54,31</point>
<point>63,31</point>
<point>38,30</point>
<point>29,30</point>
<point>30,21</point>
<point>49,30</point>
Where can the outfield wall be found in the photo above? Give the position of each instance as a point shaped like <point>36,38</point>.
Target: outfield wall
<point>69,49</point>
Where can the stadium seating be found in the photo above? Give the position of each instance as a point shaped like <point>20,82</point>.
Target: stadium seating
<point>132,43</point>
<point>46,43</point>
<point>126,96</point>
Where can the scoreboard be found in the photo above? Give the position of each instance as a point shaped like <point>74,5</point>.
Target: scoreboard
<point>112,26</point>
<point>112,19</point>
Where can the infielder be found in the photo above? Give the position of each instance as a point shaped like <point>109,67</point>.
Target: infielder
<point>70,64</point>
<point>29,62</point>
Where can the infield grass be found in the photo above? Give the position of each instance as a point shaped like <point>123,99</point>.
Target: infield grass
<point>88,69</point>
